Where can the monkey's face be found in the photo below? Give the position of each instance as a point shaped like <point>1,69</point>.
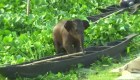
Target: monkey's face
<point>126,3</point>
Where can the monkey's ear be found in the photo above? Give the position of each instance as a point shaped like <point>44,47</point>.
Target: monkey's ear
<point>68,25</point>
<point>85,24</point>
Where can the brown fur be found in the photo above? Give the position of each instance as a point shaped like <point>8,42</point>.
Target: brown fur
<point>68,35</point>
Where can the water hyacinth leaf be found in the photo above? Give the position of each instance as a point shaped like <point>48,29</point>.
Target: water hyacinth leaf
<point>7,39</point>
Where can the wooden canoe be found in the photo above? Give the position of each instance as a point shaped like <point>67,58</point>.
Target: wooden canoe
<point>61,63</point>
<point>111,10</point>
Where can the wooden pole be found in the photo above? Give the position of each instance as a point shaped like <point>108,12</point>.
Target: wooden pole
<point>28,7</point>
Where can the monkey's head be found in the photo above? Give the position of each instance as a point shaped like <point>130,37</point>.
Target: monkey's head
<point>126,3</point>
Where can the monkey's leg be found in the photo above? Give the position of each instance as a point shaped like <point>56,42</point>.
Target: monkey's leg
<point>58,47</point>
<point>78,47</point>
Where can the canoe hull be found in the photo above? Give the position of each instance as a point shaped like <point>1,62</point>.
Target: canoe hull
<point>64,63</point>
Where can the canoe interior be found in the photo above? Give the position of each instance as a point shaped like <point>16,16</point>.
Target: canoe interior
<point>93,48</point>
<point>115,42</point>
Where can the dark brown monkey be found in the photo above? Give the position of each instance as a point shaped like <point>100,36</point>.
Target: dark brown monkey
<point>133,4</point>
<point>68,35</point>
<point>128,3</point>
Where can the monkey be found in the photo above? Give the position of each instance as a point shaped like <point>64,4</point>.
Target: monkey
<point>128,3</point>
<point>133,4</point>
